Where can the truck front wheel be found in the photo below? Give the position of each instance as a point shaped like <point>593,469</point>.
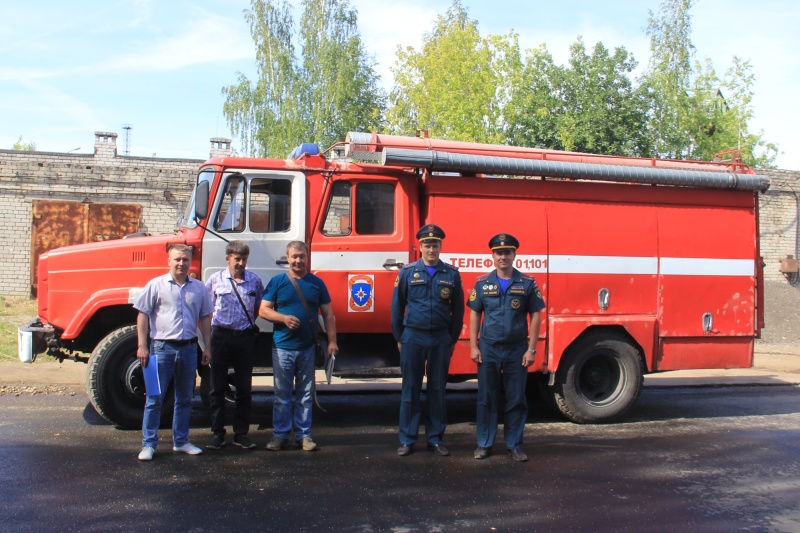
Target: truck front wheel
<point>599,379</point>
<point>115,383</point>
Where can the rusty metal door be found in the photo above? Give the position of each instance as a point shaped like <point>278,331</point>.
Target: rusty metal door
<point>58,223</point>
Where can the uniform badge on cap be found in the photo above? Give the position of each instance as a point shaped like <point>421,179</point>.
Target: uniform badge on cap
<point>503,240</point>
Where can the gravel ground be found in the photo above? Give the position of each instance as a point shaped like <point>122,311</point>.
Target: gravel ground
<point>781,317</point>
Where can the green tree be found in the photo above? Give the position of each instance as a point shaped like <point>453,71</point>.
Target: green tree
<point>668,77</point>
<point>694,114</point>
<point>457,85</point>
<point>589,105</point>
<point>536,104</point>
<point>737,88</point>
<point>339,83</point>
<point>331,89</point>
<point>27,147</point>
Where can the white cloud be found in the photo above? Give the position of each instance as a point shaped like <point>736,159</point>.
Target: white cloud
<point>211,39</point>
<point>385,26</point>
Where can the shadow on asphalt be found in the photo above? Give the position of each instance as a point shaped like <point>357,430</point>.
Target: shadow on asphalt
<point>655,405</point>
<point>92,417</point>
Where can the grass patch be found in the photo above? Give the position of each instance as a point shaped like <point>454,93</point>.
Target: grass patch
<point>14,312</point>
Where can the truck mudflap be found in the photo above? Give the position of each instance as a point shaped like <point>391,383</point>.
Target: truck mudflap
<point>32,340</point>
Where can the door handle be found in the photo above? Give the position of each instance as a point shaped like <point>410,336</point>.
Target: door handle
<point>392,263</point>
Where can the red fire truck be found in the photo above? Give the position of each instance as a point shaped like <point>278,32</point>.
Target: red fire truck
<point>646,265</point>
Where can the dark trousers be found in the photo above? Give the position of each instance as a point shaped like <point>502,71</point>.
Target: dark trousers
<point>237,352</point>
<point>424,354</point>
<point>501,366</point>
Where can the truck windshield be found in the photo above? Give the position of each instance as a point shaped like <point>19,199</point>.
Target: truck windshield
<point>187,220</point>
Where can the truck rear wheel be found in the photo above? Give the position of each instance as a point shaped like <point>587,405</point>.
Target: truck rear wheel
<point>599,379</point>
<point>115,383</point>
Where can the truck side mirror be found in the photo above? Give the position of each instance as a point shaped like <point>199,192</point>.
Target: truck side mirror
<point>201,201</point>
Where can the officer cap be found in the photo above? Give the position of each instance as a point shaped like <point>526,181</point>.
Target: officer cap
<point>430,232</point>
<point>503,240</point>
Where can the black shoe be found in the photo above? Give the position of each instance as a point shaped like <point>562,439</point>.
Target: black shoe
<point>439,449</point>
<point>217,441</point>
<point>482,453</point>
<point>405,449</point>
<point>244,441</point>
<point>518,455</point>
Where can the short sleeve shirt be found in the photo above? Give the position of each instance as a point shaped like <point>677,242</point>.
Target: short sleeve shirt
<point>285,300</point>
<point>174,310</point>
<point>505,319</point>
<point>228,311</point>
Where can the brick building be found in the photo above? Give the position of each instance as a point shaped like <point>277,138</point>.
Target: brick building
<point>157,189</point>
<point>778,220</point>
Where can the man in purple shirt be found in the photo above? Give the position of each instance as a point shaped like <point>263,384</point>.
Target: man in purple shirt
<point>236,294</point>
<point>173,306</point>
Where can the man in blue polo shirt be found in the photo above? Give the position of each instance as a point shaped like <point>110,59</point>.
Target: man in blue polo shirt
<point>173,306</point>
<point>293,345</point>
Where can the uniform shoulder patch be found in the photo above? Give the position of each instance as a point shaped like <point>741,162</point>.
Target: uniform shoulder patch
<point>449,266</point>
<point>409,265</point>
<point>526,277</point>
<point>482,278</point>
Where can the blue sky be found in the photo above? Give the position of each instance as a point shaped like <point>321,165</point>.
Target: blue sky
<point>68,69</point>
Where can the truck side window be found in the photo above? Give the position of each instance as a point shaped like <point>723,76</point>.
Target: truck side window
<point>270,205</point>
<point>337,219</point>
<point>374,208</point>
<point>231,209</point>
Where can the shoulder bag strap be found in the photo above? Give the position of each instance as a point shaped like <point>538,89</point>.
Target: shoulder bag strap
<point>244,307</point>
<point>311,319</point>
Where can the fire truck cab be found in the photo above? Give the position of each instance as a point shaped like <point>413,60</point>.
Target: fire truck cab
<point>645,265</point>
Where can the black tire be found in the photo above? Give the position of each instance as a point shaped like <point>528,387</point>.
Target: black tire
<point>115,383</point>
<point>599,378</point>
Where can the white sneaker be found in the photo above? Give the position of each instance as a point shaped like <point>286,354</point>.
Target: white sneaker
<point>188,448</point>
<point>146,454</point>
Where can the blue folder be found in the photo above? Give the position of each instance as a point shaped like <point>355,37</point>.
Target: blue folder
<point>151,382</point>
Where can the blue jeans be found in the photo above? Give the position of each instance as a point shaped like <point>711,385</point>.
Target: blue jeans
<point>501,363</point>
<point>293,370</point>
<point>424,353</point>
<point>180,362</point>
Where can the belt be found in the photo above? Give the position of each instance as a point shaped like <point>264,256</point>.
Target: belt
<point>429,331</point>
<point>178,342</point>
<point>234,332</point>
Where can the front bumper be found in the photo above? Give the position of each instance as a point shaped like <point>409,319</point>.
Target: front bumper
<point>32,339</point>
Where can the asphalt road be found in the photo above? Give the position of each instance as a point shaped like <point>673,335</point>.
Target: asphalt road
<point>711,459</point>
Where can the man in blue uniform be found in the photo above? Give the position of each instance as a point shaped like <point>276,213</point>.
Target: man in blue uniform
<point>427,316</point>
<point>506,298</point>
